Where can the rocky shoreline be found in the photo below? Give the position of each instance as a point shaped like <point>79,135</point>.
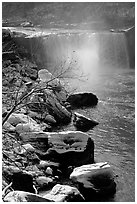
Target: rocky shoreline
<point>39,163</point>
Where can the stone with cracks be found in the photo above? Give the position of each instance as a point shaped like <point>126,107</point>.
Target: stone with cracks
<point>64,193</point>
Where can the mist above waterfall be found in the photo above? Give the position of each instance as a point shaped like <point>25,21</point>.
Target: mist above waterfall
<point>91,51</point>
<point>84,54</point>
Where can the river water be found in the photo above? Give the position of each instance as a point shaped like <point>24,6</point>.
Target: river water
<point>114,137</point>
<point>101,66</point>
<point>98,62</point>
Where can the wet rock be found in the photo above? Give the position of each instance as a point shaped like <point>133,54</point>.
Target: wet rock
<point>83,123</point>
<point>64,193</point>
<point>44,182</point>
<point>70,148</point>
<point>78,100</point>
<point>28,127</point>
<point>17,118</point>
<point>21,196</point>
<point>22,181</point>
<point>94,179</point>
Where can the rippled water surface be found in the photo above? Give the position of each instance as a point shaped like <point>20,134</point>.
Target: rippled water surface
<point>114,137</point>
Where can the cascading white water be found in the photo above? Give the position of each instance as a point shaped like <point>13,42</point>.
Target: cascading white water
<point>90,50</point>
<point>88,54</point>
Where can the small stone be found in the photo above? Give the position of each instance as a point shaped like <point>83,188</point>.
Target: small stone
<point>50,119</point>
<point>49,171</point>
<point>43,181</point>
<point>44,164</point>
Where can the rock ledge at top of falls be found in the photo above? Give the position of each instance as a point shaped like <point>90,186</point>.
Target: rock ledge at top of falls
<point>81,99</point>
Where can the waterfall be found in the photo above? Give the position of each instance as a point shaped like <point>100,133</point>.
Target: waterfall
<point>89,50</point>
<point>81,53</point>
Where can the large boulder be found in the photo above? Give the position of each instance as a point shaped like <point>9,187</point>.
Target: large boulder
<point>78,100</point>
<point>83,123</point>
<point>94,179</point>
<point>64,193</point>
<point>70,148</point>
<point>21,196</point>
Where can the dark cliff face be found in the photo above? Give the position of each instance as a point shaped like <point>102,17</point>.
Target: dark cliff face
<point>83,14</point>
